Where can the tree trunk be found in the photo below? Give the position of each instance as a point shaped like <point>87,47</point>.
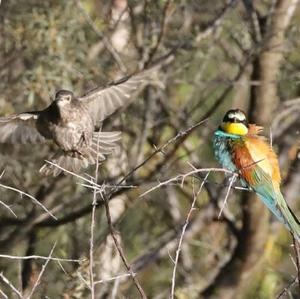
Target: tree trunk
<point>264,98</point>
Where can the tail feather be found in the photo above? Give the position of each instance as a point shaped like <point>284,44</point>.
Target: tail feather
<point>103,143</point>
<point>291,221</point>
<point>278,206</point>
<point>68,161</point>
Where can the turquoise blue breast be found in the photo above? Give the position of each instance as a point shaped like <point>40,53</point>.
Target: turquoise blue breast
<point>222,149</point>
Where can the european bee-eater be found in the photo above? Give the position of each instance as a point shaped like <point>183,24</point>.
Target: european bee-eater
<point>240,149</point>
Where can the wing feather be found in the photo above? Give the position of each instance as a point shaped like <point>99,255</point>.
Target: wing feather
<point>20,128</point>
<point>104,143</point>
<point>103,101</point>
<point>257,172</point>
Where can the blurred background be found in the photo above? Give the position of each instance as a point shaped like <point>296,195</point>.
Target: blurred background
<point>221,54</point>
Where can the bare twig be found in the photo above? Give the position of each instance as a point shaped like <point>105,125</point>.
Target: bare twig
<point>297,254</point>
<point>113,278</point>
<point>162,30</point>
<point>120,249</point>
<point>181,177</point>
<point>6,281</point>
<point>177,138</point>
<point>31,197</point>
<point>92,184</point>
<point>8,207</point>
<point>114,291</point>
<point>3,203</point>
<point>106,41</point>
<point>94,203</point>
<point>37,282</point>
<point>253,16</point>
<point>162,148</point>
<point>1,292</point>
<point>106,186</point>
<point>287,288</point>
<point>37,257</point>
<point>73,173</point>
<point>232,180</point>
<point>62,267</point>
<point>87,284</point>
<point>216,22</point>
<point>183,232</point>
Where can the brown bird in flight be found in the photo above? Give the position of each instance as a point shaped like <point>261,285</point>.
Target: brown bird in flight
<point>71,121</point>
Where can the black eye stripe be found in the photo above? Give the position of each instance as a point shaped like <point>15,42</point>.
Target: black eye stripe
<point>236,121</point>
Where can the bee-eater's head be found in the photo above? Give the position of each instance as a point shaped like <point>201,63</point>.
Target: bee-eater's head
<point>235,122</point>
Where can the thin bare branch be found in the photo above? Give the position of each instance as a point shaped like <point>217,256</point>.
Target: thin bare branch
<point>162,148</point>
<point>37,282</point>
<point>162,30</point>
<point>8,282</point>
<point>232,180</point>
<point>297,254</point>
<point>29,196</point>
<point>8,207</point>
<point>183,232</point>
<point>86,283</point>
<point>93,221</point>
<point>105,186</point>
<point>37,257</point>
<point>1,292</point>
<point>114,291</point>
<point>120,249</point>
<point>73,173</point>
<point>287,288</point>
<point>181,178</point>
<point>113,278</point>
<point>106,41</point>
<point>216,22</point>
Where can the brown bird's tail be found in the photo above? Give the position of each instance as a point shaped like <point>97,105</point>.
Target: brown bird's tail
<point>103,143</point>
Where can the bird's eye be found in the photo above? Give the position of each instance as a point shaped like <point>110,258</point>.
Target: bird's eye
<point>68,98</point>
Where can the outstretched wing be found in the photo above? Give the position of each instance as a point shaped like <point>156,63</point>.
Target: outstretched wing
<point>20,128</point>
<point>103,101</point>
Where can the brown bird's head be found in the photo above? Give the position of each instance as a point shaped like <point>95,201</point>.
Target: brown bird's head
<point>63,97</point>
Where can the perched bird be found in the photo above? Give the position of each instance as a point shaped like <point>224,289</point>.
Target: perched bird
<point>71,122</point>
<point>239,148</point>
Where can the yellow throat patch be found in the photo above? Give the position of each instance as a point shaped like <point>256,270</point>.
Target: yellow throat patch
<point>234,128</point>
